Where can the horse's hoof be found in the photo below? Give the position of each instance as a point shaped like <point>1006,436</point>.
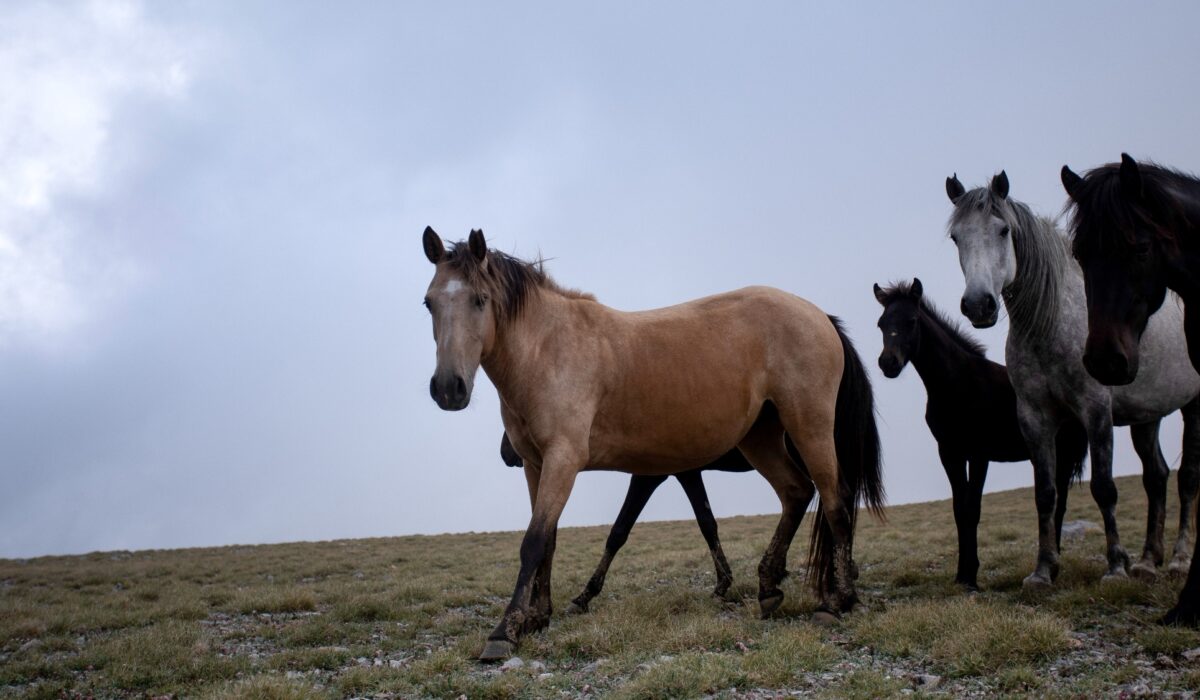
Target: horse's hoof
<point>574,608</point>
<point>770,604</point>
<point>1144,571</point>
<point>1036,582</point>
<point>824,618</point>
<point>1179,566</point>
<point>497,650</point>
<point>1114,577</point>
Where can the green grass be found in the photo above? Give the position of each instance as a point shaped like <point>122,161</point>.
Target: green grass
<point>404,617</point>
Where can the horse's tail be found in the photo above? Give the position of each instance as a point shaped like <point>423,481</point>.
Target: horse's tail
<point>856,441</point>
<point>1072,446</point>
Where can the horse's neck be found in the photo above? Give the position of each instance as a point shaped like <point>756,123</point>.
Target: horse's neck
<point>1048,280</point>
<point>939,359</point>
<point>1183,273</point>
<point>528,345</point>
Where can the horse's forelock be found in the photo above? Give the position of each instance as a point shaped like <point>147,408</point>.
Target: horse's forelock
<point>1102,212</point>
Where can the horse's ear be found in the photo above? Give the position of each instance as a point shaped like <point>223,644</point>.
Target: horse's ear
<point>954,188</point>
<point>916,291</point>
<point>1070,181</point>
<point>477,244</point>
<point>1131,177</point>
<point>434,250</point>
<point>1000,185</point>
<point>879,295</point>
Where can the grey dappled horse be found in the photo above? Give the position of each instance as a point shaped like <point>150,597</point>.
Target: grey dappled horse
<point>1007,253</point>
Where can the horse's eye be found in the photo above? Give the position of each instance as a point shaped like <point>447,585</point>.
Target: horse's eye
<point>1004,232</point>
<point>480,300</point>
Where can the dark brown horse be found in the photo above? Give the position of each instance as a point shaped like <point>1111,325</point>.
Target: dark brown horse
<point>641,488</point>
<point>971,411</point>
<point>1136,234</point>
<point>584,386</point>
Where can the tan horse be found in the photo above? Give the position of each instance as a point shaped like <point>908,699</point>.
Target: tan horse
<point>583,386</point>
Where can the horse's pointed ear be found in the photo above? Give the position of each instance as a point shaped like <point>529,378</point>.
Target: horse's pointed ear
<point>917,291</point>
<point>879,295</point>
<point>1131,177</point>
<point>1000,185</point>
<point>477,244</point>
<point>434,250</point>
<point>1070,181</point>
<point>954,188</point>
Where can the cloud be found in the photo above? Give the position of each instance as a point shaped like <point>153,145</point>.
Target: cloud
<point>76,65</point>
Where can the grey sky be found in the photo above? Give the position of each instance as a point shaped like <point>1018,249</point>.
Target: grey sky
<point>210,268</point>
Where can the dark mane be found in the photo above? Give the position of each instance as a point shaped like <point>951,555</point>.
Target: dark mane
<point>903,290</point>
<point>508,280</point>
<point>1100,209</point>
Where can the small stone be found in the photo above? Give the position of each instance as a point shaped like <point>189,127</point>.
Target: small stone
<point>1191,654</point>
<point>537,666</point>
<point>31,644</point>
<point>928,680</point>
<point>742,648</point>
<point>395,663</point>
<point>514,662</point>
<point>1078,528</point>
<point>665,658</point>
<point>544,676</point>
<point>362,661</point>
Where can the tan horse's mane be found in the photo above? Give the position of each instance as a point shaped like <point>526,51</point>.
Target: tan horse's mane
<point>508,280</point>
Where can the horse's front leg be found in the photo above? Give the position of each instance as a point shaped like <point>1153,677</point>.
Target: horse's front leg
<point>1039,435</point>
<point>557,477</point>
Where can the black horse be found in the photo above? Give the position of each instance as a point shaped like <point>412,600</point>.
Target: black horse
<point>971,411</point>
<point>1136,233</point>
<point>640,489</point>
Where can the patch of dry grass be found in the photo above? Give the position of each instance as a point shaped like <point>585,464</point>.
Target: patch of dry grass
<point>404,617</point>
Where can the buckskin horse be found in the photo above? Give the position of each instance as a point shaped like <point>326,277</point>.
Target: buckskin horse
<point>584,386</point>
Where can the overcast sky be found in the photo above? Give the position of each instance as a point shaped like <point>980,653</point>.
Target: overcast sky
<point>211,328</point>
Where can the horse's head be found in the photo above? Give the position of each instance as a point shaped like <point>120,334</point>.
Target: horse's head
<point>1118,246</point>
<point>464,325</point>
<point>982,231</point>
<point>900,325</point>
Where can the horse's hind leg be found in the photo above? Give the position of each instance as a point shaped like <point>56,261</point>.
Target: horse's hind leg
<point>1189,481</point>
<point>1104,489</point>
<point>693,486</point>
<point>1154,479</point>
<point>641,487</point>
<point>764,448</point>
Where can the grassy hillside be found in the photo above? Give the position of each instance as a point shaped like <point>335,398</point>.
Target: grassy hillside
<point>403,617</point>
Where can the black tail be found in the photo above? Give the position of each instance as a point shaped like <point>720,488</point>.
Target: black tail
<point>856,439</point>
<point>1072,447</point>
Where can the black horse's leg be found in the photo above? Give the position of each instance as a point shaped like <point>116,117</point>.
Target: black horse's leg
<point>1187,610</point>
<point>693,486</point>
<point>640,490</point>
<point>979,469</point>
<point>1155,473</point>
<point>968,560</point>
<point>1189,482</point>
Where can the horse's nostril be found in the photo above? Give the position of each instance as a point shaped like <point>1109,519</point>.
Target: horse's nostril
<point>433,388</point>
<point>990,302</point>
<point>460,387</point>
<point>962,306</point>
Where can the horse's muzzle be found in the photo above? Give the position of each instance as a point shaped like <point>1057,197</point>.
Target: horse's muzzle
<point>450,391</point>
<point>1110,367</point>
<point>890,365</point>
<point>982,310</point>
